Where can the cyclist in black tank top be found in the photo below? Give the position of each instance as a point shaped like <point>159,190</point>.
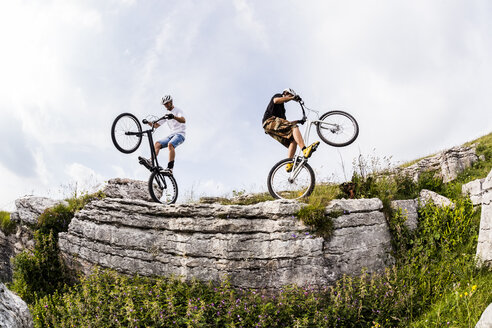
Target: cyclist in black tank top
<point>276,125</point>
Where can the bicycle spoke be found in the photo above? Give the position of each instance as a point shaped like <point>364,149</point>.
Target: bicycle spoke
<point>123,124</point>
<point>291,185</point>
<point>337,128</point>
<point>163,188</point>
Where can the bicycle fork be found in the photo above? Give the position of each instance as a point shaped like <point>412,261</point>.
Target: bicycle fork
<point>296,169</point>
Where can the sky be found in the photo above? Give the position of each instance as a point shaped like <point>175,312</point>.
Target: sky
<point>415,74</point>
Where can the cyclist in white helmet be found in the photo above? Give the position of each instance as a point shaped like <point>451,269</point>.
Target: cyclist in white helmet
<point>287,133</point>
<point>176,122</point>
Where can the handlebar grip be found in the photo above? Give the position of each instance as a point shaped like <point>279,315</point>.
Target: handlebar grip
<point>144,121</point>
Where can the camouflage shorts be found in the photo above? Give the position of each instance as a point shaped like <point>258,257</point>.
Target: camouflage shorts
<point>279,129</point>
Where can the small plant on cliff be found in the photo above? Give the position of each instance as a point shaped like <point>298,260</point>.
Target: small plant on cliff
<point>6,225</point>
<point>314,217</point>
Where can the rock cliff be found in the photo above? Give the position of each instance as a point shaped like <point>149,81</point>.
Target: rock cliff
<point>447,164</point>
<point>255,246</point>
<point>484,246</point>
<point>14,312</point>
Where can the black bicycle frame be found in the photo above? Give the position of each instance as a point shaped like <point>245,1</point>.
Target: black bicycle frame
<point>153,155</point>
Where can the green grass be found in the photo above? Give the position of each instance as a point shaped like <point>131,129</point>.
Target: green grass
<point>460,305</point>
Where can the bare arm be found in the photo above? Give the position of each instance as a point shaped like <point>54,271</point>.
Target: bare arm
<point>154,125</point>
<point>180,119</point>
<point>283,99</point>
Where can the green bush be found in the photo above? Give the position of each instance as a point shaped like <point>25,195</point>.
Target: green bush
<point>6,225</point>
<point>41,271</point>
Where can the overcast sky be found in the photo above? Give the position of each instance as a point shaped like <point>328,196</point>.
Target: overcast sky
<point>416,74</point>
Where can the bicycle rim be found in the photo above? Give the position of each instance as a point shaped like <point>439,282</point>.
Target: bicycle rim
<point>123,142</point>
<point>337,128</point>
<point>281,184</point>
<point>163,187</point>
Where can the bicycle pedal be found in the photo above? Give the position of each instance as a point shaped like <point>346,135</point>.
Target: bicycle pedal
<point>144,162</point>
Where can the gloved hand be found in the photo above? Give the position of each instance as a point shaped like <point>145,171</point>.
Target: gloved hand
<point>297,98</point>
<point>169,116</point>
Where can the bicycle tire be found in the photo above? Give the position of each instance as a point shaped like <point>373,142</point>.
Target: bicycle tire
<point>123,123</point>
<point>163,187</point>
<point>337,128</point>
<point>279,185</point>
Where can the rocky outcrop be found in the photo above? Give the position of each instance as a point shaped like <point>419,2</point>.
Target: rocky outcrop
<point>447,164</point>
<point>127,189</point>
<point>14,312</point>
<point>10,246</point>
<point>474,189</point>
<point>484,246</point>
<point>28,209</point>
<point>486,318</point>
<point>25,216</point>
<point>427,196</point>
<point>408,208</point>
<point>256,246</point>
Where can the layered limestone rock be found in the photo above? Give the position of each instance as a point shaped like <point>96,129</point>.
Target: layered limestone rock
<point>484,246</point>
<point>448,164</point>
<point>14,312</point>
<point>255,246</point>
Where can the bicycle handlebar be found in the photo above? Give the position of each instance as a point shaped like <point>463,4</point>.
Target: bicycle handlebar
<point>145,121</point>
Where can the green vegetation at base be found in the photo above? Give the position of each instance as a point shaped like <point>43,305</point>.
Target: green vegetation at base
<point>434,281</point>
<point>6,225</point>
<point>41,272</point>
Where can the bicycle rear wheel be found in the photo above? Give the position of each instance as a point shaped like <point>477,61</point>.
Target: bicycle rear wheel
<point>282,184</point>
<point>337,128</point>
<point>123,133</point>
<point>163,187</point>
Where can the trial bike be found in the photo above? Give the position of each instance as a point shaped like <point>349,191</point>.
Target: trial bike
<point>126,133</point>
<point>336,128</point>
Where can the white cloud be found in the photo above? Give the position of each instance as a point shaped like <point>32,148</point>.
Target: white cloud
<point>416,75</point>
<point>84,178</point>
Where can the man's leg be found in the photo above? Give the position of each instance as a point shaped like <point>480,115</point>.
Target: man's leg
<point>172,152</point>
<point>292,149</point>
<point>300,141</point>
<point>157,148</point>
<point>298,138</point>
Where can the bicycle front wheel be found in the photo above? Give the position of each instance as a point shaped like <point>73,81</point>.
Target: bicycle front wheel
<point>163,187</point>
<point>124,133</point>
<point>290,185</point>
<point>337,128</point>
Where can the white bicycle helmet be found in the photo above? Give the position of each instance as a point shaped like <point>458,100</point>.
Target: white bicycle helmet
<point>291,91</point>
<point>166,99</point>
